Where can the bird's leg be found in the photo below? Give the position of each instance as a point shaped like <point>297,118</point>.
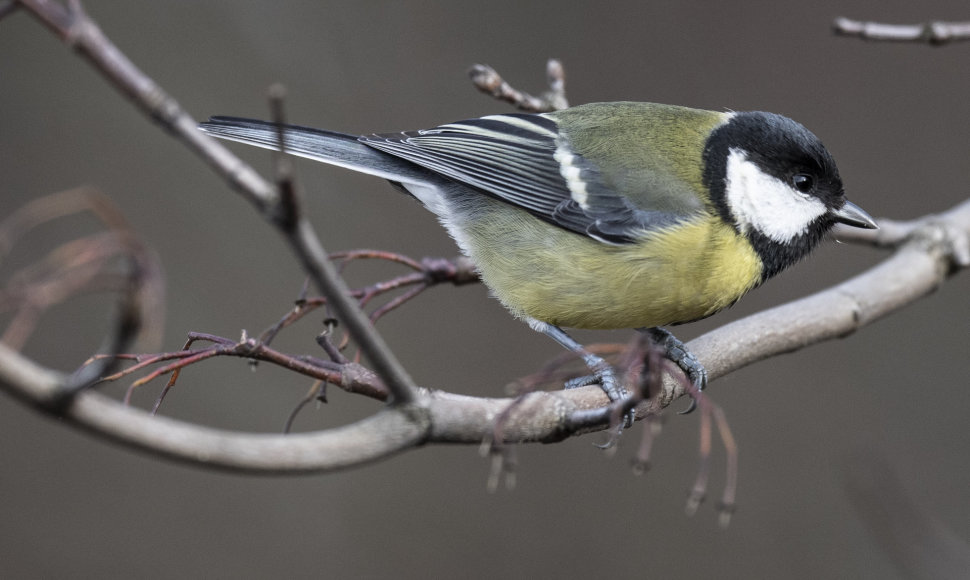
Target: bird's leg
<point>677,352</point>
<point>603,372</point>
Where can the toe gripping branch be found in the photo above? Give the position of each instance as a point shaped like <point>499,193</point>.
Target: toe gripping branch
<point>676,351</point>
<point>603,372</point>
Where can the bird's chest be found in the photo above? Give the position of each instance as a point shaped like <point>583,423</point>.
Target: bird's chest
<point>565,279</point>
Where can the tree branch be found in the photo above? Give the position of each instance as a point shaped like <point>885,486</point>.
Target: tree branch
<point>932,33</point>
<point>920,265</point>
<point>930,250</point>
<point>487,80</point>
<point>389,431</point>
<point>78,30</point>
<point>933,250</point>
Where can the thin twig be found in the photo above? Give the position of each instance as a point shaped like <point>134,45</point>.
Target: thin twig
<point>487,80</point>
<point>349,256</point>
<point>317,392</point>
<point>83,265</point>
<point>288,216</point>
<point>73,25</point>
<point>933,33</point>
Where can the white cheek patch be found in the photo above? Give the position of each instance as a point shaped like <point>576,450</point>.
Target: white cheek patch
<point>766,204</point>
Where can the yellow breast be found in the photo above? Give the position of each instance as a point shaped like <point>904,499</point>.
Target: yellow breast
<point>679,274</point>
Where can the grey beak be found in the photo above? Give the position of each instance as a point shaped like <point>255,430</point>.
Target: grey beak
<point>852,215</point>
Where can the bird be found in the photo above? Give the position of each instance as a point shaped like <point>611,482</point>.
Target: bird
<point>605,215</point>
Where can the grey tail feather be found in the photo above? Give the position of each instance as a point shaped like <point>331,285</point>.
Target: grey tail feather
<point>320,145</point>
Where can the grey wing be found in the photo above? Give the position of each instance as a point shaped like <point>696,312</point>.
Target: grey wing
<point>522,159</point>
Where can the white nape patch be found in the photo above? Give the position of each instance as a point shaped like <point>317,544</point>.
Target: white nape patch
<point>572,174</point>
<point>765,203</point>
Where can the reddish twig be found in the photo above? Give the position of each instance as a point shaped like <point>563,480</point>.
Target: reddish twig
<point>711,413</point>
<point>346,257</point>
<point>81,266</point>
<point>317,392</point>
<point>347,376</point>
<point>428,272</point>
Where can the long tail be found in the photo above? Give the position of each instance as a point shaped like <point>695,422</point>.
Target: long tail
<point>326,146</point>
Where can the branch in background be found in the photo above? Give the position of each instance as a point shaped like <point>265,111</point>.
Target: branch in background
<point>78,266</point>
<point>928,251</point>
<point>288,217</point>
<point>932,33</point>
<point>929,254</point>
<point>82,266</point>
<point>425,273</point>
<point>338,371</point>
<point>76,28</point>
<point>487,80</point>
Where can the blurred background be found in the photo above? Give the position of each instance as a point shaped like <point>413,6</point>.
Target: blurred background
<point>895,117</point>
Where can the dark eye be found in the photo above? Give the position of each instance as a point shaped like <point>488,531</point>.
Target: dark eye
<point>803,182</point>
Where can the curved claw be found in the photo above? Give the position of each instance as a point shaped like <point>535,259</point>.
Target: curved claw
<point>617,393</point>
<point>690,408</point>
<point>581,382</point>
<point>611,442</point>
<point>616,430</point>
<point>629,419</point>
<point>677,352</point>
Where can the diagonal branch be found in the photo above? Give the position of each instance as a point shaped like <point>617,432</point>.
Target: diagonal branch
<point>933,250</point>
<point>77,29</point>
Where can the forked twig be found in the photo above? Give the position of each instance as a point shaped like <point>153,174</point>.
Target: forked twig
<point>487,80</point>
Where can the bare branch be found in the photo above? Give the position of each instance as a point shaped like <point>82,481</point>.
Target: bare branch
<point>932,33</point>
<point>918,267</point>
<point>83,265</point>
<point>83,34</point>
<point>932,251</point>
<point>390,431</point>
<point>487,80</point>
<point>74,27</point>
<point>892,233</point>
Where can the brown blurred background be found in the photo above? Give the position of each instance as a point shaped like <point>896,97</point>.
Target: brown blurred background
<point>895,116</point>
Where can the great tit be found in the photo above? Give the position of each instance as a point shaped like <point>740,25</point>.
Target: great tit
<point>606,215</point>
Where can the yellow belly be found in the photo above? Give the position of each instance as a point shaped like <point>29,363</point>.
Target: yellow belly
<point>684,273</point>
